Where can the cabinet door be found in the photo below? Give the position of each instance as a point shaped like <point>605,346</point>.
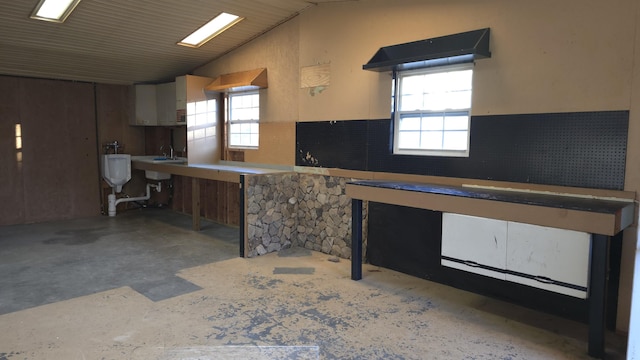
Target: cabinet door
<point>549,254</point>
<point>181,92</point>
<point>474,244</point>
<point>146,113</point>
<point>166,103</point>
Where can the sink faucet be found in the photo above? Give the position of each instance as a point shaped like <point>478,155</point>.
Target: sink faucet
<point>171,155</point>
<point>114,145</point>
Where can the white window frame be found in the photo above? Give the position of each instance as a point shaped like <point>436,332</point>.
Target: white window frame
<point>444,113</point>
<point>231,120</point>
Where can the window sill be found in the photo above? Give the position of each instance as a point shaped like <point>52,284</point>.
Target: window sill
<point>439,153</point>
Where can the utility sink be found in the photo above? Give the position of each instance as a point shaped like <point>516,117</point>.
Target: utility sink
<point>159,159</point>
<point>154,159</point>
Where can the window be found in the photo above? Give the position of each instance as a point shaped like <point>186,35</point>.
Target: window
<point>244,117</point>
<point>432,111</point>
<point>18,132</point>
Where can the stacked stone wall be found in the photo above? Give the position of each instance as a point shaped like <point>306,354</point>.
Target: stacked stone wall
<point>307,210</point>
<point>324,215</point>
<point>272,202</point>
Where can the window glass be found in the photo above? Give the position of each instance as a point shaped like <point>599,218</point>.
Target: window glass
<point>243,118</point>
<point>432,111</point>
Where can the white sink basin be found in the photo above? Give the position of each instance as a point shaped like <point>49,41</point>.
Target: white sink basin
<point>155,159</point>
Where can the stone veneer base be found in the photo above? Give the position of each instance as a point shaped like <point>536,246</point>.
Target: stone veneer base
<point>296,209</point>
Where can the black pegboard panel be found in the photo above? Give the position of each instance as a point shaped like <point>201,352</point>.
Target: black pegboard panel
<point>586,149</point>
<point>581,149</point>
<point>332,144</point>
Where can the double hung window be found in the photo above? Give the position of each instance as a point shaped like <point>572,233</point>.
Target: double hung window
<point>243,119</point>
<point>432,109</point>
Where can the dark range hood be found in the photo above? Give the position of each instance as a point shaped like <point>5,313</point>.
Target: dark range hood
<point>444,50</point>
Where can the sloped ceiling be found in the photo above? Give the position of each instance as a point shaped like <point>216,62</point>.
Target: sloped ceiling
<point>128,41</point>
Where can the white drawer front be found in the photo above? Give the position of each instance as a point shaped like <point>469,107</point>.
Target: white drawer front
<point>549,253</point>
<point>474,240</point>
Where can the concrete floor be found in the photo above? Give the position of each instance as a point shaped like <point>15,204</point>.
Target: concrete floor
<point>144,286</point>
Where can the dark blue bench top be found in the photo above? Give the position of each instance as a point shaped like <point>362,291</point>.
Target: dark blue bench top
<point>527,198</point>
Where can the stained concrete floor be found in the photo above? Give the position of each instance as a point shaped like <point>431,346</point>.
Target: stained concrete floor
<point>144,286</point>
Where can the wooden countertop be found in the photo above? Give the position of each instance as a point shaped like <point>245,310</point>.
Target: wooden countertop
<point>594,215</point>
<point>221,172</point>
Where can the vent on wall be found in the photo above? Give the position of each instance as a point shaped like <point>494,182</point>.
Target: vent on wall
<point>444,50</point>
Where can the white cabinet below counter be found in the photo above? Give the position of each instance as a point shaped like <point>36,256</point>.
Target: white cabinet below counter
<point>548,258</point>
<point>549,254</point>
<point>479,244</point>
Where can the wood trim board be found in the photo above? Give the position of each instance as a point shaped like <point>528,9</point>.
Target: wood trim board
<point>558,217</point>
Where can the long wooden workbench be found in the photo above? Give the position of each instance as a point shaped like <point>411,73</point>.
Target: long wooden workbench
<point>602,218</point>
<point>228,172</point>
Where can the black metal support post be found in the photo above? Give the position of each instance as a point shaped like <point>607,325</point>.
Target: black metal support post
<point>356,239</point>
<point>242,214</point>
<point>597,294</point>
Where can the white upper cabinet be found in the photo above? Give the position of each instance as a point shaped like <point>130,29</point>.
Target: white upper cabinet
<point>166,104</point>
<point>146,112</point>
<point>156,105</point>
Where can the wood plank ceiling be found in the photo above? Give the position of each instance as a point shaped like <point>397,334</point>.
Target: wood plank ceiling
<point>126,41</point>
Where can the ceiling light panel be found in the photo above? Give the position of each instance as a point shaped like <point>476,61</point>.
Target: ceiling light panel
<point>54,10</point>
<point>210,30</point>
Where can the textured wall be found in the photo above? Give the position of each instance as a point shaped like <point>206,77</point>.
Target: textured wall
<point>277,51</point>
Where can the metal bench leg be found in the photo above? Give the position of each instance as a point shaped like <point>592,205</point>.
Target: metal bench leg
<point>356,239</point>
<point>597,294</point>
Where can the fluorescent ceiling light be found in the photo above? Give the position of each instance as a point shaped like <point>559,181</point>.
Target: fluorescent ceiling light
<point>54,10</point>
<point>210,30</point>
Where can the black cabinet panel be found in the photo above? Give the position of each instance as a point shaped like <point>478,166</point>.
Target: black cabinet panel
<point>404,239</point>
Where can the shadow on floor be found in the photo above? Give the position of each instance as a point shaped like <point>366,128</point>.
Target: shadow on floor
<point>144,249</point>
